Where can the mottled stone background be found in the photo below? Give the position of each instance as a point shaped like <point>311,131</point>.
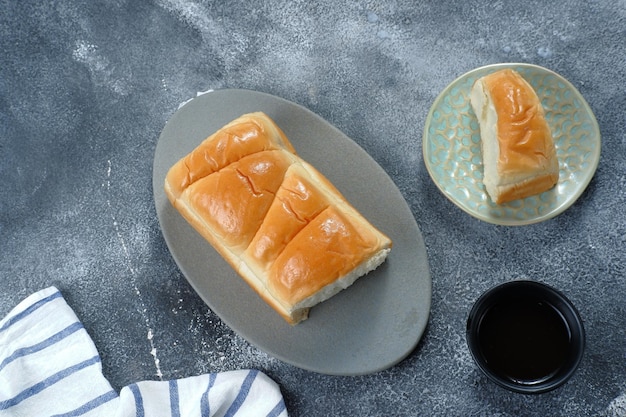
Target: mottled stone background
<point>87,86</point>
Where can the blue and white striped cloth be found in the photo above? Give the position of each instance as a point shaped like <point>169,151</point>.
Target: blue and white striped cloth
<point>49,366</point>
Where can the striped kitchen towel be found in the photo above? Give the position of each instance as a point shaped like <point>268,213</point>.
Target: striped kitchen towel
<point>49,366</point>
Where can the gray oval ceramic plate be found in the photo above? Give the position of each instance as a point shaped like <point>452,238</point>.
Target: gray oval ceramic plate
<point>372,325</point>
<point>452,154</point>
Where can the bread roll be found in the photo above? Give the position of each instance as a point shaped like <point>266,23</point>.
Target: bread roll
<point>518,150</point>
<point>280,224</point>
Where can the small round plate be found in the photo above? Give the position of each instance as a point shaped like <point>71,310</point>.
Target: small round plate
<point>366,328</point>
<point>452,152</point>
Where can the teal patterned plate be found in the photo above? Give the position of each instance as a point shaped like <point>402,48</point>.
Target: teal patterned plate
<point>452,153</point>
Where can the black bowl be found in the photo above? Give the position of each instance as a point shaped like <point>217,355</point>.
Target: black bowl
<point>526,336</point>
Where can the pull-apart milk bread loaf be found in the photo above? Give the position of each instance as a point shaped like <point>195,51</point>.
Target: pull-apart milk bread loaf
<point>519,155</point>
<point>280,224</point>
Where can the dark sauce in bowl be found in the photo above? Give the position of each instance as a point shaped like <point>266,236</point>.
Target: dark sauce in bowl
<point>526,342</point>
<point>525,336</point>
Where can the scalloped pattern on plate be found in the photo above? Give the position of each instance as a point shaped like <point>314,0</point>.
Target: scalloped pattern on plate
<point>452,149</point>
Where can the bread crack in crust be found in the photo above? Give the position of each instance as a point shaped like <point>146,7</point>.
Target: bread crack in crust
<point>280,223</point>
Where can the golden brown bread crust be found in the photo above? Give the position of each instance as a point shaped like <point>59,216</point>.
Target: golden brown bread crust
<point>524,135</point>
<point>527,187</point>
<point>327,248</point>
<point>240,137</point>
<point>526,157</point>
<point>235,199</point>
<point>279,223</point>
